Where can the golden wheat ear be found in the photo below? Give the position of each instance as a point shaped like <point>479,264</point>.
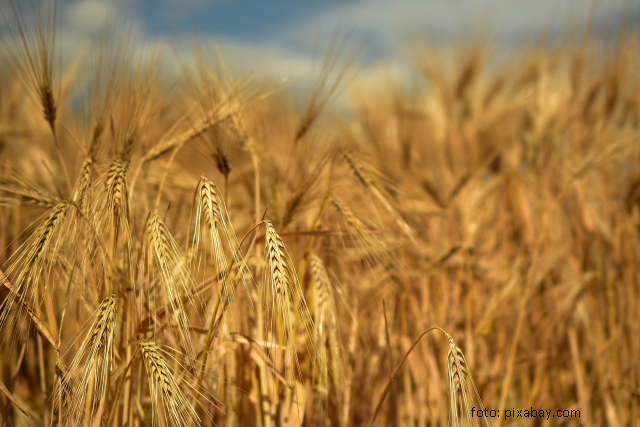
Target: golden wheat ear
<point>109,214</point>
<point>15,189</point>
<point>169,402</point>
<point>376,191</point>
<point>286,295</point>
<point>459,379</point>
<point>88,372</point>
<point>212,221</point>
<point>320,282</point>
<point>326,322</point>
<point>336,68</point>
<point>30,260</point>
<point>374,250</point>
<point>82,189</point>
<point>31,53</point>
<point>114,209</point>
<point>326,313</point>
<point>175,279</point>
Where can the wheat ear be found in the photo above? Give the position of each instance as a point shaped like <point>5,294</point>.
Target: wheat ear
<point>326,321</point>
<point>31,258</point>
<point>174,277</point>
<point>20,190</point>
<point>459,379</point>
<point>212,218</point>
<point>286,294</point>
<point>358,231</point>
<point>117,195</point>
<point>371,186</point>
<point>165,390</point>
<point>81,191</point>
<point>93,361</point>
<point>324,301</point>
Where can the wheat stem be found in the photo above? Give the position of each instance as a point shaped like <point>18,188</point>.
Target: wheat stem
<point>215,319</point>
<point>114,404</point>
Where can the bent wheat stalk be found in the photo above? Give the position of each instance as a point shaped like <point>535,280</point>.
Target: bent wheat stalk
<point>458,372</point>
<point>215,319</point>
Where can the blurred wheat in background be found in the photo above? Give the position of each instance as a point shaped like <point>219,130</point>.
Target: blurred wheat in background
<point>196,249</point>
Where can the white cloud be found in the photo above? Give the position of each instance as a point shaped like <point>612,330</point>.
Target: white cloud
<point>391,22</point>
<point>88,15</point>
<point>386,25</point>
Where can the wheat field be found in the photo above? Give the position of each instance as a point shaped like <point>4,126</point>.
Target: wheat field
<point>203,248</point>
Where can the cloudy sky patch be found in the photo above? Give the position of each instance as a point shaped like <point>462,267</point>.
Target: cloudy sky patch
<point>298,30</point>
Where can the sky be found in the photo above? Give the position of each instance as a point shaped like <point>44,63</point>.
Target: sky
<point>292,33</point>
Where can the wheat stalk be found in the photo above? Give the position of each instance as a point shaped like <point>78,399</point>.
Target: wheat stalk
<point>459,377</point>
<point>61,388</point>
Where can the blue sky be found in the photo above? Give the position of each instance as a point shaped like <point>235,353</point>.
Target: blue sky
<point>293,31</point>
<point>251,19</point>
<point>297,27</point>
